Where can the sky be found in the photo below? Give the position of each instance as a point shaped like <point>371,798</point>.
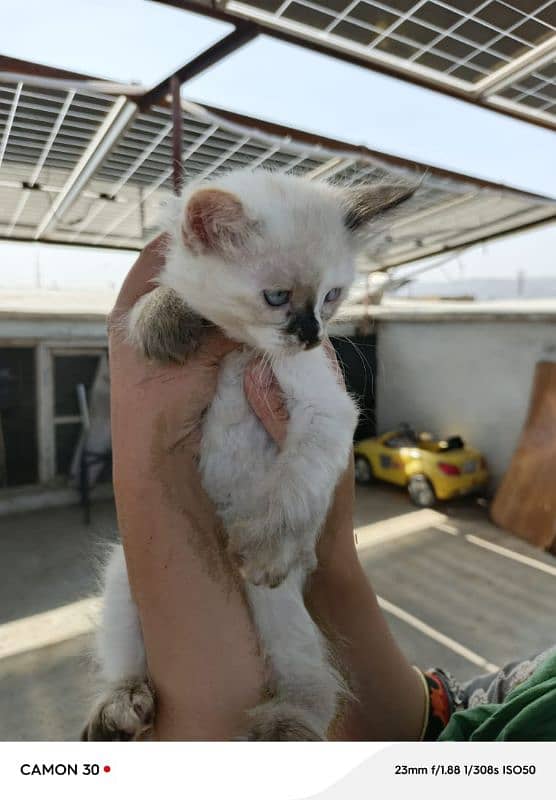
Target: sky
<point>139,40</point>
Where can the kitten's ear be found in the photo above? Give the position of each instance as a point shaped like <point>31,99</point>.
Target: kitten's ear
<point>364,203</point>
<point>215,220</point>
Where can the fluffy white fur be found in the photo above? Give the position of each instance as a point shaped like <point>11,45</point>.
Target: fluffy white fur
<point>256,232</point>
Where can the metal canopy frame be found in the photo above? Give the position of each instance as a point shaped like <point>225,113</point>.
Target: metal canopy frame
<point>87,161</point>
<point>498,54</point>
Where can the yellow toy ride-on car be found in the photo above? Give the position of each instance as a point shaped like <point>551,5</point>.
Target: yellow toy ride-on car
<point>432,469</point>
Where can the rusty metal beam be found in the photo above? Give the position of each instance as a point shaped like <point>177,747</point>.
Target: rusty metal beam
<point>18,66</point>
<point>177,133</point>
<point>244,32</point>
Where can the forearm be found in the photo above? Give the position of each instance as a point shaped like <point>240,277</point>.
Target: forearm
<point>201,649</point>
<point>389,696</point>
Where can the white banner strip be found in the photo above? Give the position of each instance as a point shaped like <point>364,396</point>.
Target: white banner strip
<point>277,771</point>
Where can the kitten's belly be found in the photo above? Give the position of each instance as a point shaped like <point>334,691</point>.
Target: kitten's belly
<point>236,451</point>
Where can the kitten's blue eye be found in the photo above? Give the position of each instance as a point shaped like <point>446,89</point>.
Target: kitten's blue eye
<point>276,298</point>
<point>332,295</point>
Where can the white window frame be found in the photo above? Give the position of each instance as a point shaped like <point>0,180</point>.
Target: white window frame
<point>47,421</point>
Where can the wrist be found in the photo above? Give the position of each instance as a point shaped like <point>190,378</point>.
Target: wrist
<point>335,577</point>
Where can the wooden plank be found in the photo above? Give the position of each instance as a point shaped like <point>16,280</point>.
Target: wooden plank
<point>525,503</point>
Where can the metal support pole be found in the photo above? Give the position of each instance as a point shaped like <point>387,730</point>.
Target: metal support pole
<point>243,33</point>
<point>177,129</point>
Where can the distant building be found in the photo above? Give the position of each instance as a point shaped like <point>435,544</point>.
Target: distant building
<point>449,367</point>
<point>49,343</point>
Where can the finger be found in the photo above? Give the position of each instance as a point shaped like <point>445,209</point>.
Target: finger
<point>216,345</point>
<point>203,368</point>
<point>265,397</point>
<point>142,276</point>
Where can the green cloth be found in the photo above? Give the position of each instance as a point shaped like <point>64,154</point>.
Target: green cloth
<point>527,714</point>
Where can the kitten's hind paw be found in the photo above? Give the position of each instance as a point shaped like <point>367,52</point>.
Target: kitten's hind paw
<point>268,568</point>
<point>282,722</point>
<point>264,560</point>
<point>261,574</point>
<point>126,713</point>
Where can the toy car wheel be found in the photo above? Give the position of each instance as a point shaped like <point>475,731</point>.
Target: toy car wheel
<point>421,491</point>
<point>363,470</point>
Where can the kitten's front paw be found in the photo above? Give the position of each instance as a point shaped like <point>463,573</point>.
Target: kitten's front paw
<point>163,328</point>
<point>124,715</point>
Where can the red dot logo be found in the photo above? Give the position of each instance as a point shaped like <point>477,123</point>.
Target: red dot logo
<point>107,768</point>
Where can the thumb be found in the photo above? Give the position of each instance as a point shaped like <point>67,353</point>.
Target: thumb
<point>215,345</point>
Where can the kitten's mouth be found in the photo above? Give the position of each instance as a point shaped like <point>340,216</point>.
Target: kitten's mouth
<point>311,345</point>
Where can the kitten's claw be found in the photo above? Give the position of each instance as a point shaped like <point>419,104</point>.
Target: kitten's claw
<point>260,577</point>
<point>269,561</point>
<point>263,552</point>
<point>124,715</point>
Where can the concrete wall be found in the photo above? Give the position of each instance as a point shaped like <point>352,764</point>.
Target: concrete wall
<point>469,377</point>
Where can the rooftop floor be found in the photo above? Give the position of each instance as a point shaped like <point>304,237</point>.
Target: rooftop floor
<point>457,592</point>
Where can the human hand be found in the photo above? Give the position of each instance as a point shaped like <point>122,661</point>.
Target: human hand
<point>156,409</point>
<point>195,623</point>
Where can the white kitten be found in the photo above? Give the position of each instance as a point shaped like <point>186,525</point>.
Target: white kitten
<point>267,258</point>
